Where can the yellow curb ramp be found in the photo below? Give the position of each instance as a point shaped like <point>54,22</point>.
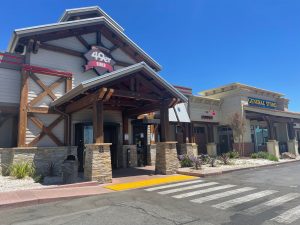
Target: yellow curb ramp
<point>149,182</point>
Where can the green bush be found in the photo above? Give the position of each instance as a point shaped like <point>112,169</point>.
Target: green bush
<point>21,170</point>
<point>233,154</point>
<point>264,155</point>
<point>185,161</point>
<point>225,159</point>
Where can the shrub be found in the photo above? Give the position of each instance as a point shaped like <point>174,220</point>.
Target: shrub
<point>21,170</point>
<point>213,161</point>
<point>233,154</point>
<point>264,155</point>
<point>197,161</point>
<point>185,161</point>
<point>225,159</point>
<point>205,158</point>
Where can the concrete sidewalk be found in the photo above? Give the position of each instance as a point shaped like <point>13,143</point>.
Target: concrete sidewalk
<point>62,192</point>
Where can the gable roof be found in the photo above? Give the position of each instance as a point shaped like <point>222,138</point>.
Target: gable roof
<point>54,27</point>
<point>88,10</point>
<point>108,77</point>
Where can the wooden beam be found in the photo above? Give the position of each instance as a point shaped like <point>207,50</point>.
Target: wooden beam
<point>43,110</point>
<point>36,47</point>
<point>108,94</point>
<point>43,86</point>
<point>85,101</point>
<point>45,93</point>
<point>135,95</point>
<point>23,109</point>
<point>149,84</point>
<point>61,50</point>
<point>68,85</point>
<point>143,109</point>
<point>98,122</point>
<point>164,121</point>
<point>99,38</point>
<point>83,42</point>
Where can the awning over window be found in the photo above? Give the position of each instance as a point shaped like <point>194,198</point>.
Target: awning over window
<point>179,113</point>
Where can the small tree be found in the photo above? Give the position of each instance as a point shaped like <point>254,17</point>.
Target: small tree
<point>238,126</point>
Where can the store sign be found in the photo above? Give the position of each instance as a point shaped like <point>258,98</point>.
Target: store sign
<point>262,103</point>
<point>98,60</point>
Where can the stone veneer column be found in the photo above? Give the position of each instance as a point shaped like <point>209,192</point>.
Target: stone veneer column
<point>97,165</point>
<point>151,154</point>
<point>293,147</point>
<point>211,149</point>
<point>273,148</point>
<point>166,158</point>
<point>132,155</point>
<point>189,149</point>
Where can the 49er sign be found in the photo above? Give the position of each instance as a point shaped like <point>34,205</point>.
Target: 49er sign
<point>98,60</point>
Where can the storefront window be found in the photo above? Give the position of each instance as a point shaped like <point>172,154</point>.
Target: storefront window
<point>260,137</point>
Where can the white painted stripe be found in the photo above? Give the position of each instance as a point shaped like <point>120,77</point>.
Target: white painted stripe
<point>174,185</point>
<point>222,195</point>
<point>288,216</point>
<point>187,188</point>
<point>244,199</point>
<point>272,203</point>
<point>199,192</point>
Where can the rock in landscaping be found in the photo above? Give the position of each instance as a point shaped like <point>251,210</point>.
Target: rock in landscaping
<point>288,155</point>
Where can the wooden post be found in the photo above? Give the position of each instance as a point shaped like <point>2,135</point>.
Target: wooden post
<point>125,128</point>
<point>291,131</point>
<point>23,109</point>
<point>271,129</point>
<point>98,122</point>
<point>164,121</point>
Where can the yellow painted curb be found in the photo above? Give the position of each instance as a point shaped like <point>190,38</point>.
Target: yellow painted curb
<point>149,182</point>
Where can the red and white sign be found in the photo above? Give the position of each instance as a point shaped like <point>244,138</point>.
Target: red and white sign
<point>98,60</point>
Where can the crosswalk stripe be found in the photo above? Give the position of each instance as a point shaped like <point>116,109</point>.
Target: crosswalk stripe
<point>272,203</point>
<point>199,192</point>
<point>187,188</point>
<point>244,199</point>
<point>173,185</point>
<point>222,195</point>
<point>288,216</point>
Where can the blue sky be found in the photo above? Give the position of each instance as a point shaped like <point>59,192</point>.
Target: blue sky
<point>200,43</point>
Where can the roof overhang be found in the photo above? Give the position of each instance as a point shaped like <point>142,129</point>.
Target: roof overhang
<point>121,73</point>
<point>81,11</point>
<point>54,27</point>
<point>272,112</point>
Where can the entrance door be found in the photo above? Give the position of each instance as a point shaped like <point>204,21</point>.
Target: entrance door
<point>200,139</point>
<point>111,136</point>
<point>140,140</point>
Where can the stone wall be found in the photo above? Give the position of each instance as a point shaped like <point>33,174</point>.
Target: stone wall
<point>189,149</point>
<point>166,158</point>
<point>42,157</point>
<point>97,166</point>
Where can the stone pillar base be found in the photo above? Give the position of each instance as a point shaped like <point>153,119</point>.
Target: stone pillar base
<point>97,165</point>
<point>293,147</point>
<point>273,148</point>
<point>166,158</point>
<point>189,149</point>
<point>211,149</point>
<point>129,156</point>
<point>151,154</point>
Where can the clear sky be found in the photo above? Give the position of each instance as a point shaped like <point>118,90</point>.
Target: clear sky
<point>200,43</point>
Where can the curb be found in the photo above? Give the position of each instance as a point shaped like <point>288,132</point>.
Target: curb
<point>233,170</point>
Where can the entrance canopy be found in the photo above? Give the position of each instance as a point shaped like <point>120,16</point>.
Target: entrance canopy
<point>136,89</point>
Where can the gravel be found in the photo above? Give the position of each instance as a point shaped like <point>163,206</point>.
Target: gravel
<point>12,184</point>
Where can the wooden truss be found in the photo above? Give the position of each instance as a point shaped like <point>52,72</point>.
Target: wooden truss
<point>28,110</point>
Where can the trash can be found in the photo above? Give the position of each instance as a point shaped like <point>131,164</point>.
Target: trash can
<point>70,170</point>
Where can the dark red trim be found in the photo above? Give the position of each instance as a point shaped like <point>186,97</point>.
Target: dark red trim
<point>12,56</point>
<point>46,71</point>
<point>10,62</point>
